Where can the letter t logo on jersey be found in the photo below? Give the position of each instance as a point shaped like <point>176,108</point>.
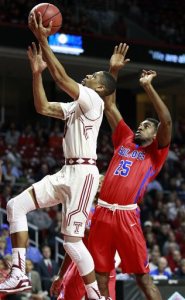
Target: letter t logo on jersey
<point>77,225</point>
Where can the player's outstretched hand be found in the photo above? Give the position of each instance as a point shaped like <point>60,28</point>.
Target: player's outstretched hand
<point>36,26</point>
<point>56,287</point>
<point>147,77</point>
<point>35,57</point>
<point>118,60</point>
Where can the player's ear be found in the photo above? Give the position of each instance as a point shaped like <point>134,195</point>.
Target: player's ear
<point>100,89</point>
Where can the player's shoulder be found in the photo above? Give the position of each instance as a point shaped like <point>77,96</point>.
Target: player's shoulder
<point>90,92</point>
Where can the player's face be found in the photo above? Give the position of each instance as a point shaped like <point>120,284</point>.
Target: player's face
<point>145,133</point>
<point>93,81</point>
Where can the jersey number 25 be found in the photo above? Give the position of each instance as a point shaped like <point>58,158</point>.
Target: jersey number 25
<point>124,168</point>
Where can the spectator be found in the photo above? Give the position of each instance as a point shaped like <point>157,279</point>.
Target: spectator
<point>10,173</point>
<point>14,156</point>
<point>33,254</point>
<point>37,293</point>
<point>12,135</point>
<point>4,232</point>
<point>47,268</point>
<point>174,260</point>
<point>54,230</point>
<point>5,195</point>
<point>3,270</point>
<point>56,137</point>
<point>3,247</point>
<point>180,272</point>
<point>41,219</point>
<point>43,171</point>
<point>161,272</point>
<point>154,257</point>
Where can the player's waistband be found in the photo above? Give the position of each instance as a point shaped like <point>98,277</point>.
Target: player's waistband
<point>80,161</point>
<point>115,206</point>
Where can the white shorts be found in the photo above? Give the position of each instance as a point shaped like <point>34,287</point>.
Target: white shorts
<point>75,188</point>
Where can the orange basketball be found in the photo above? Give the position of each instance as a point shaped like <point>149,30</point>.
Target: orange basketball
<point>49,13</point>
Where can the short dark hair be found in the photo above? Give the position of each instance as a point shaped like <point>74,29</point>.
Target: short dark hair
<point>154,121</point>
<point>109,82</point>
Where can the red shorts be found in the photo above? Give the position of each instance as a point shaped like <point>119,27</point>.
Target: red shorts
<point>119,230</point>
<point>73,287</point>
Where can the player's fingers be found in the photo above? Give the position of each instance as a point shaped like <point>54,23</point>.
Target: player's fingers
<point>125,49</point>
<point>120,47</point>
<point>115,49</point>
<point>145,72</point>
<point>40,50</point>
<point>40,19</point>
<point>34,20</point>
<point>34,48</point>
<point>30,49</point>
<point>50,25</point>
<point>31,22</point>
<point>29,52</point>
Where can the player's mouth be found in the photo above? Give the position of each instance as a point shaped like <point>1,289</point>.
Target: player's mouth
<point>138,133</point>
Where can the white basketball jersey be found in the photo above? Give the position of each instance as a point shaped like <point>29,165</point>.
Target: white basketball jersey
<point>83,119</point>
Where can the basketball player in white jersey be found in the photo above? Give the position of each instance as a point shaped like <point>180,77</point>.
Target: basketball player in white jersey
<point>75,185</point>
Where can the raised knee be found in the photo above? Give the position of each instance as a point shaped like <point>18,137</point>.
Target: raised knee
<point>19,206</point>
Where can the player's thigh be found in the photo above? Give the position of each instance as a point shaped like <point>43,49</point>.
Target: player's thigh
<point>130,243</point>
<point>100,241</point>
<point>51,190</point>
<point>83,183</point>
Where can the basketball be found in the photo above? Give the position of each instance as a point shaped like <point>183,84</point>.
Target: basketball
<point>49,13</point>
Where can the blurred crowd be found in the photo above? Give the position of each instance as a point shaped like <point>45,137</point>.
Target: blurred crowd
<point>163,20</point>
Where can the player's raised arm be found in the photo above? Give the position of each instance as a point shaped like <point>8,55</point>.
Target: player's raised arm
<point>165,126</point>
<point>65,82</point>
<point>117,62</point>
<point>38,65</point>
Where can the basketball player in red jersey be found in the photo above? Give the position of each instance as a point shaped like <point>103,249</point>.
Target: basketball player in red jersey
<point>138,158</point>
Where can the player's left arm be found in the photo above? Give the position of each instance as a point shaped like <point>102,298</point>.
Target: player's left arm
<point>41,103</point>
<point>165,127</point>
<point>57,70</point>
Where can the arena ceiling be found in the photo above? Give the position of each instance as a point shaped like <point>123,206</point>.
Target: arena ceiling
<point>14,64</point>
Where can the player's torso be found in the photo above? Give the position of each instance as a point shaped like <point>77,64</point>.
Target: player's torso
<point>80,136</point>
<point>128,174</point>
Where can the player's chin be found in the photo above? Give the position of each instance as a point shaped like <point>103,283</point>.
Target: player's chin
<point>138,140</point>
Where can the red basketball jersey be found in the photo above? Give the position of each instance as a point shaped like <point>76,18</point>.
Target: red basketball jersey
<point>131,168</point>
